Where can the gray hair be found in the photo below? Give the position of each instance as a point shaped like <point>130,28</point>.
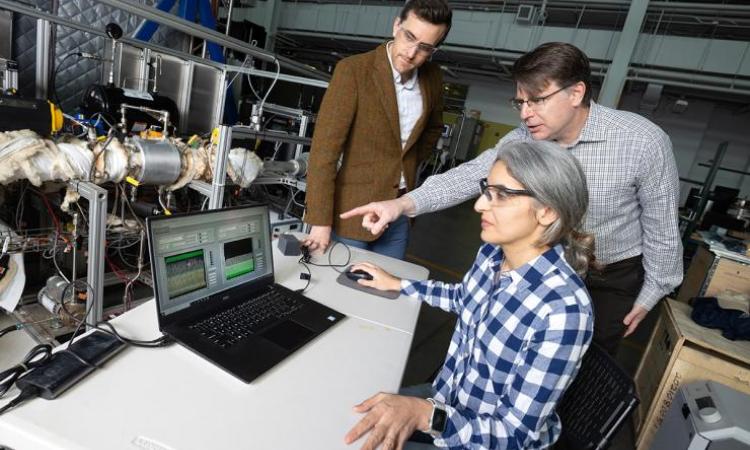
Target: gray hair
<point>557,181</point>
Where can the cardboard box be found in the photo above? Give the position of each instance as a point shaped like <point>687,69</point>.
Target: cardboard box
<point>717,275</point>
<point>681,351</point>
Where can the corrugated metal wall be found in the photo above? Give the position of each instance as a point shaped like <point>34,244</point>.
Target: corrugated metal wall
<point>75,74</point>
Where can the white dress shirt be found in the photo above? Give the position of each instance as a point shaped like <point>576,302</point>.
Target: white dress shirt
<point>409,100</point>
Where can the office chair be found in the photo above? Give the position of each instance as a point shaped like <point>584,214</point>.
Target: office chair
<point>596,404</point>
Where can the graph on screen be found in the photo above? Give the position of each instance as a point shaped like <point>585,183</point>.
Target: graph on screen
<point>186,273</point>
<point>238,258</point>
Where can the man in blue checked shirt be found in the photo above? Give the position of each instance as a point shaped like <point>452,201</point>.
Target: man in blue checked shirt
<point>525,317</point>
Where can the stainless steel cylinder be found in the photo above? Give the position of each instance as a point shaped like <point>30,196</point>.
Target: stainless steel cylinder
<point>158,161</point>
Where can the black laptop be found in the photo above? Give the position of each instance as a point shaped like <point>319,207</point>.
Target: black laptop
<point>216,295</point>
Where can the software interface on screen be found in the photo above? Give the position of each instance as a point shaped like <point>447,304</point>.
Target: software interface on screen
<point>204,254</point>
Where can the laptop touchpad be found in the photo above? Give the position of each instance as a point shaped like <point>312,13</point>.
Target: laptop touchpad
<point>288,334</point>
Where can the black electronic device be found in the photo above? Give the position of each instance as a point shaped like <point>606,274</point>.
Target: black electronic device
<point>289,245</point>
<point>107,100</point>
<point>113,30</point>
<point>358,274</point>
<point>216,294</point>
<point>344,280</point>
<point>40,116</point>
<point>63,370</point>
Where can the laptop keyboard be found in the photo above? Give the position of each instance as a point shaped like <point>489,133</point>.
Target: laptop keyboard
<point>233,325</point>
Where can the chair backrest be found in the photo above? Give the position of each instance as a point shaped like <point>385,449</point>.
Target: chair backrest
<point>596,403</point>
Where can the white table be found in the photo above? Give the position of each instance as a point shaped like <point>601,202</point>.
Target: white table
<point>169,398</point>
<point>396,314</point>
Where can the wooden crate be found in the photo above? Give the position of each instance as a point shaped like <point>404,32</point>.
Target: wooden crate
<point>681,351</point>
<point>718,274</point>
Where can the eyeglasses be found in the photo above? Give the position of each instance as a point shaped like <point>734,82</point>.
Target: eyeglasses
<point>497,193</point>
<point>412,41</point>
<point>534,102</point>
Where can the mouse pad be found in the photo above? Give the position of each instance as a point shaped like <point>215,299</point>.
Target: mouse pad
<point>343,279</point>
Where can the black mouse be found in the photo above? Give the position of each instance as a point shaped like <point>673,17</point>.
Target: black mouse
<point>358,274</point>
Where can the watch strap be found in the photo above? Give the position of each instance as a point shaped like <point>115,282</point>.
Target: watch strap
<point>438,418</point>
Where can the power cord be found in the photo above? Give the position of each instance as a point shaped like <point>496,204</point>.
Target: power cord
<point>26,394</point>
<point>9,329</point>
<point>21,326</point>
<point>36,357</point>
<point>41,354</point>
<point>306,259</point>
<point>330,254</point>
<point>110,329</point>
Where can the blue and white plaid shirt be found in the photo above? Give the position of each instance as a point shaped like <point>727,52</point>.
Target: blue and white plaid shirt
<point>517,345</point>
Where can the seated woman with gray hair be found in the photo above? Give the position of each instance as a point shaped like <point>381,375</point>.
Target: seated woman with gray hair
<point>524,315</point>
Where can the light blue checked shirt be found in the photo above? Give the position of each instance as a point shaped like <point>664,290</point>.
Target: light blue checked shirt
<point>517,345</point>
<point>634,192</point>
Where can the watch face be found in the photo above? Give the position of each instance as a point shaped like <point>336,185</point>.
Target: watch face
<point>439,420</point>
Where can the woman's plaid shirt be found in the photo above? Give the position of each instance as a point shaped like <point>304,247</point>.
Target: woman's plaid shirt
<point>518,344</point>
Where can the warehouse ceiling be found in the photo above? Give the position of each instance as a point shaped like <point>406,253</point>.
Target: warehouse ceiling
<point>727,20</point>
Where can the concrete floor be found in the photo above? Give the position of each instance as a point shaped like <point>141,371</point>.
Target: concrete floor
<point>446,243</point>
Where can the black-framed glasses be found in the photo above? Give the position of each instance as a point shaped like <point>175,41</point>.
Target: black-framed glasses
<point>534,102</point>
<point>497,193</point>
<point>412,41</point>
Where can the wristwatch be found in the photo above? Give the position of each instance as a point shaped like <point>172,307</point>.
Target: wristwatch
<point>438,419</point>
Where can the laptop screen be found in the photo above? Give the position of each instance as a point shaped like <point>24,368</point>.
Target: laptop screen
<point>198,255</point>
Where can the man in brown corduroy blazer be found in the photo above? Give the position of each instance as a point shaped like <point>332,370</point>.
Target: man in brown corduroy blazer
<point>381,116</point>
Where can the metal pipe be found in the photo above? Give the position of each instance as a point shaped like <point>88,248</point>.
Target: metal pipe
<point>710,7</point>
<point>706,190</point>
<point>43,57</point>
<point>690,85</point>
<point>164,114</point>
<point>282,77</point>
<point>220,167</point>
<point>189,28</point>
<point>688,76</point>
<point>229,16</point>
<point>97,197</point>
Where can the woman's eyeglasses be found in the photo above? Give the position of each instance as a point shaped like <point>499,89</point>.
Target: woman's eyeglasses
<point>497,193</point>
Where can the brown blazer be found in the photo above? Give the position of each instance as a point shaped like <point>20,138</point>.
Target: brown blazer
<point>358,119</point>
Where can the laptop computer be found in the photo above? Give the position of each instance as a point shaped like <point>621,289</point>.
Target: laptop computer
<point>215,291</point>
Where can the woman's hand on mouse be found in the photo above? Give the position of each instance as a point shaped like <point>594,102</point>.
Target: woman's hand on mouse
<point>381,280</point>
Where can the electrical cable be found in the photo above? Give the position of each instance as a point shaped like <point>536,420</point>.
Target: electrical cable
<point>110,136</point>
<point>306,259</point>
<point>7,330</point>
<point>56,72</point>
<point>54,261</point>
<point>305,276</point>
<point>330,253</point>
<point>158,342</point>
<point>37,356</point>
<point>129,286</point>
<point>242,66</point>
<point>130,208</point>
<point>273,83</point>
<point>20,205</point>
<point>85,126</point>
<point>26,394</point>
<point>21,326</point>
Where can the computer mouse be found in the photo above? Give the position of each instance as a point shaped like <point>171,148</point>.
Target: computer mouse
<point>358,274</point>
